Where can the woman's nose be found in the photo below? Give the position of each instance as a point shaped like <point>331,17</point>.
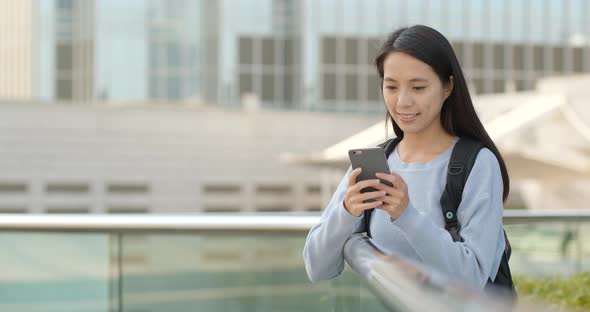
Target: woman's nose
<point>404,99</point>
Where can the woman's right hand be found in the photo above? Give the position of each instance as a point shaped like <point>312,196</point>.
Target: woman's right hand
<point>354,199</point>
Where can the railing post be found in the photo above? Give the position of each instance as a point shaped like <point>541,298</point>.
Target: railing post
<point>116,272</point>
<point>579,249</point>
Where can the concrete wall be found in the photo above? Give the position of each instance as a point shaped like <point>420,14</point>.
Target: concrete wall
<point>148,158</point>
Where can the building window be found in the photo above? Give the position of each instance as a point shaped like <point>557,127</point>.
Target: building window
<point>458,48</point>
<point>173,55</point>
<point>351,47</point>
<point>246,51</point>
<point>578,60</point>
<point>289,52</point>
<point>65,4</point>
<point>174,51</point>
<point>273,76</point>
<point>268,51</point>
<point>521,85</point>
<point>498,50</point>
<point>288,86</point>
<point>64,89</point>
<point>498,86</point>
<point>74,50</point>
<point>246,85</point>
<point>372,45</point>
<point>374,88</point>
<point>538,58</point>
<point>351,87</point>
<point>347,74</point>
<point>329,86</point>
<point>173,88</point>
<point>64,56</point>
<point>329,50</point>
<point>478,55</point>
<point>154,86</point>
<point>478,86</point>
<point>268,87</point>
<point>558,59</point>
<point>518,57</point>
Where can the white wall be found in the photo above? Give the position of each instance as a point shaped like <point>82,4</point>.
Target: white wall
<point>159,158</point>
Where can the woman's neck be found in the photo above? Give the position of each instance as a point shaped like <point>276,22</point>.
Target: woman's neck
<point>424,147</point>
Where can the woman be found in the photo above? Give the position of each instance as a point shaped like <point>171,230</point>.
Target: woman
<point>430,108</point>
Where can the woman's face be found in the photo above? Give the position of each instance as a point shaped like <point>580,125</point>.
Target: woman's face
<point>413,93</point>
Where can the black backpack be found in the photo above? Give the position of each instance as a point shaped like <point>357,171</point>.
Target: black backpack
<point>462,160</point>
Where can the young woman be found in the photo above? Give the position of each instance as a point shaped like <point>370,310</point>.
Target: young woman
<point>430,108</point>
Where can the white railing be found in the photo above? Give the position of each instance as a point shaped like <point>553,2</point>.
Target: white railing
<point>293,222</point>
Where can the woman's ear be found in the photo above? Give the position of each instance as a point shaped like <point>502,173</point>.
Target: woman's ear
<point>450,86</point>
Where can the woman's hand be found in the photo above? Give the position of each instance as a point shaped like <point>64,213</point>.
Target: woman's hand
<point>396,201</point>
<point>354,200</point>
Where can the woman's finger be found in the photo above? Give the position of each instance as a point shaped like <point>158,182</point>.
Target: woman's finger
<point>400,181</point>
<point>371,195</point>
<point>390,190</point>
<point>362,197</point>
<point>369,205</point>
<point>353,175</point>
<point>373,204</point>
<point>364,184</point>
<point>387,177</point>
<point>386,188</point>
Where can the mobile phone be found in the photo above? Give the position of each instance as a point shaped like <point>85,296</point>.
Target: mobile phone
<point>371,160</point>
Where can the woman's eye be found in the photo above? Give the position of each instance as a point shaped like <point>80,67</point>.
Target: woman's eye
<point>390,87</point>
<point>419,88</point>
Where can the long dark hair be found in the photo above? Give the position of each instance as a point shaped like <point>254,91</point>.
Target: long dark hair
<point>458,116</point>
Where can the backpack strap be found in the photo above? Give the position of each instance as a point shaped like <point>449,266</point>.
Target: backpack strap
<point>388,147</point>
<point>462,160</point>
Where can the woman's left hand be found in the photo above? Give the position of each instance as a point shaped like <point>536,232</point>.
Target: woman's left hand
<point>396,200</point>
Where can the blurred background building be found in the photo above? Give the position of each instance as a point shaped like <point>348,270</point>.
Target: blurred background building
<point>179,105</point>
<point>293,55</point>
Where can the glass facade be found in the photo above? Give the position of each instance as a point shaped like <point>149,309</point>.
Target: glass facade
<point>289,54</point>
<point>173,49</point>
<point>74,50</point>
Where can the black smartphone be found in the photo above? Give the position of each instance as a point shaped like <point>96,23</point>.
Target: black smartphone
<point>371,160</point>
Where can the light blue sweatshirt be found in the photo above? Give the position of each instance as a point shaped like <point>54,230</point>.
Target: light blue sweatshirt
<point>419,233</point>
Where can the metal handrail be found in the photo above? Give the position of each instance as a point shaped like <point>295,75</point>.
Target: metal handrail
<point>520,216</point>
<point>157,223</point>
<point>290,222</point>
<point>404,285</point>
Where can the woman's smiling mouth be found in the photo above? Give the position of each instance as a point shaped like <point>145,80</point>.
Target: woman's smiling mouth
<point>407,117</point>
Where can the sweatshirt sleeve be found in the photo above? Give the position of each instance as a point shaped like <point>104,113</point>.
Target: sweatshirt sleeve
<point>322,253</point>
<point>480,216</point>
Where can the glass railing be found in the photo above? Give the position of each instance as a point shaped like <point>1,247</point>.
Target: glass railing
<point>549,243</point>
<point>216,263</point>
<point>196,264</point>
